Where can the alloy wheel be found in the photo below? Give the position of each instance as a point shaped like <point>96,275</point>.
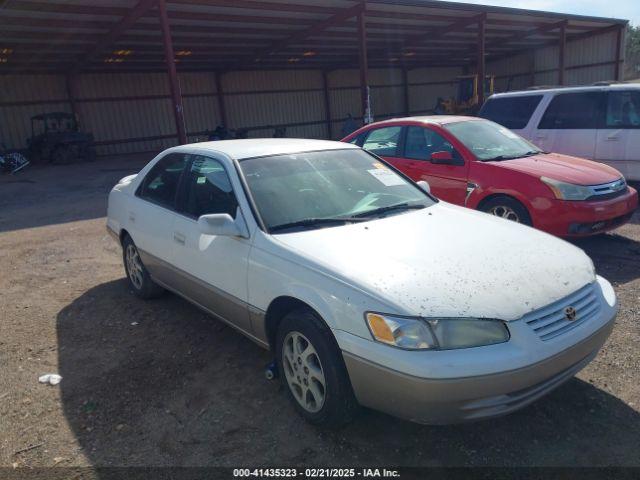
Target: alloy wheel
<point>134,266</point>
<point>303,371</point>
<point>505,212</point>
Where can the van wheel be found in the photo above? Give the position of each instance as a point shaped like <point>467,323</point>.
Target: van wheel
<point>507,208</point>
<point>138,276</point>
<point>313,371</point>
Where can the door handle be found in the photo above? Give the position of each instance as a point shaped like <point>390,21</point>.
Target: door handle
<point>179,238</point>
<point>541,137</point>
<point>132,217</point>
<point>612,138</point>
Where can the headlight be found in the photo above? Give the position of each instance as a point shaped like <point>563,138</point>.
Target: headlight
<point>435,333</point>
<point>567,191</point>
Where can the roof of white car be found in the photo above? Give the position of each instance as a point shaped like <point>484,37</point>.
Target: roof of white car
<point>539,91</point>
<point>260,147</point>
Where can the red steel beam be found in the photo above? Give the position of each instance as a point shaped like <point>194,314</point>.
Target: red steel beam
<point>317,29</point>
<point>619,64</point>
<point>364,67</point>
<point>480,60</point>
<point>562,45</point>
<point>327,103</point>
<point>174,84</point>
<point>124,24</point>
<point>220,96</point>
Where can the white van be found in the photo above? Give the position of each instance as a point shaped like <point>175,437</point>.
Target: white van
<point>600,123</point>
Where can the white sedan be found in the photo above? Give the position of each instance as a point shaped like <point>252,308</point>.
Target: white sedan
<point>367,289</point>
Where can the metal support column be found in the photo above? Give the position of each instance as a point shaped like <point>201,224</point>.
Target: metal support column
<point>174,84</point>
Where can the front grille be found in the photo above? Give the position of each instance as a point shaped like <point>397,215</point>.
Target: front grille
<point>551,321</point>
<point>607,191</point>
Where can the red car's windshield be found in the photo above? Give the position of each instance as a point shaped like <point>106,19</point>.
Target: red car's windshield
<point>489,141</point>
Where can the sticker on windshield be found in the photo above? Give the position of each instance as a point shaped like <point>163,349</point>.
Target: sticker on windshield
<point>386,177</point>
<point>378,165</point>
<point>507,133</point>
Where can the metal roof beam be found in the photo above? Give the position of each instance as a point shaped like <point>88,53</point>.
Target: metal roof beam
<point>336,19</point>
<point>124,24</point>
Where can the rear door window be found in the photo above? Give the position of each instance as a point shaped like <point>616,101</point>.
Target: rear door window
<point>511,112</point>
<point>582,110</point>
<point>383,141</point>
<point>623,109</point>
<point>161,183</point>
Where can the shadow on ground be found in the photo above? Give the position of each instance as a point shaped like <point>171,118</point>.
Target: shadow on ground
<point>54,194</point>
<point>616,257</point>
<point>160,383</point>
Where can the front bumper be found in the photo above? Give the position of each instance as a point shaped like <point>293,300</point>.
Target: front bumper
<point>471,384</point>
<point>583,218</point>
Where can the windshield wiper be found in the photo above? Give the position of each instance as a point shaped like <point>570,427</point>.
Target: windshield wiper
<point>500,157</point>
<point>313,222</point>
<point>390,208</point>
<point>530,153</point>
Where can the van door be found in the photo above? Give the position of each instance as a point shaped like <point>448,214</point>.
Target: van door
<point>569,124</point>
<point>618,142</point>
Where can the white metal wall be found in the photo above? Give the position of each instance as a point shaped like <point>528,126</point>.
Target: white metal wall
<point>132,112</point>
<point>587,60</point>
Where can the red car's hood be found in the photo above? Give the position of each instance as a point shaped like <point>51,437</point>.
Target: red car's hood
<point>563,168</point>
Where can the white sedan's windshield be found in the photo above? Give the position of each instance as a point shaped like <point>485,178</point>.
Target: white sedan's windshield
<point>490,141</point>
<point>327,188</point>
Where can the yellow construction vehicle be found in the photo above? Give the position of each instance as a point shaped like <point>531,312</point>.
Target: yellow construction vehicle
<point>466,102</point>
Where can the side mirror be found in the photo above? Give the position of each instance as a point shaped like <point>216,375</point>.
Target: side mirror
<point>222,224</point>
<point>442,158</point>
<point>424,185</point>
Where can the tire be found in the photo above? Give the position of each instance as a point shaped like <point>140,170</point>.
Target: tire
<point>508,208</point>
<point>62,155</point>
<point>137,275</point>
<point>335,404</point>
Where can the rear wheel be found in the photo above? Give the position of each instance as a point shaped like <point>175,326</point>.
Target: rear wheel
<point>507,208</point>
<point>138,276</point>
<point>313,371</point>
<point>62,154</point>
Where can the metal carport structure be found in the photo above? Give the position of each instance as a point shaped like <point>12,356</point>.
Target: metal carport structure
<point>82,47</point>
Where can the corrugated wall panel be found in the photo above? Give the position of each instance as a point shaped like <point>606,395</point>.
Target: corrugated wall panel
<point>15,123</point>
<point>426,85</point>
<point>586,76</point>
<point>251,110</point>
<point>600,48</point>
<point>547,58</point>
<point>99,85</point>
<point>256,81</point>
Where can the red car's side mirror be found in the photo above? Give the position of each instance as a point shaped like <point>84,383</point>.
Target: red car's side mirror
<point>443,158</point>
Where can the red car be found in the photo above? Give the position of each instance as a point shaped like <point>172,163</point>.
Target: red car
<point>481,165</point>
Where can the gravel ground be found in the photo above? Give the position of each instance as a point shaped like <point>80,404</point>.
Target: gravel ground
<point>159,383</point>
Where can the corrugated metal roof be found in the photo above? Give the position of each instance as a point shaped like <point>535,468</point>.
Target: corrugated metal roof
<point>225,34</point>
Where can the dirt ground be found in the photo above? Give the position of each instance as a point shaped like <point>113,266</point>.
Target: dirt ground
<point>159,383</point>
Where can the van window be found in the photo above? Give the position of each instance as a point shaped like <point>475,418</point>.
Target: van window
<point>623,109</point>
<point>511,112</point>
<point>583,110</point>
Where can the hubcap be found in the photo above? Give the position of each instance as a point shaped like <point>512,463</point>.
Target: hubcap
<point>505,212</point>
<point>134,266</point>
<point>303,371</point>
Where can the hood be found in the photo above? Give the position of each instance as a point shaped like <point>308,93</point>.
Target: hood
<point>448,261</point>
<point>564,168</point>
